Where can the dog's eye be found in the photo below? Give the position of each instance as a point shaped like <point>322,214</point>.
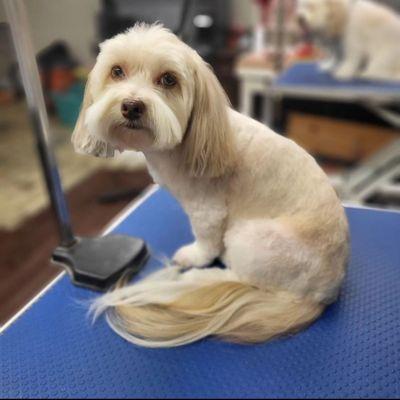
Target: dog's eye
<point>167,80</point>
<point>117,72</point>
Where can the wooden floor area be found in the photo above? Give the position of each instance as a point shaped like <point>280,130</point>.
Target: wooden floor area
<point>25,252</point>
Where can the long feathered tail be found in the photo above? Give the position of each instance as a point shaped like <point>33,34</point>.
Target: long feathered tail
<point>171,308</point>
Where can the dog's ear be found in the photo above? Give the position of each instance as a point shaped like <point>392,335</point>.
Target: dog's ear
<point>208,143</point>
<point>82,140</point>
<point>80,134</point>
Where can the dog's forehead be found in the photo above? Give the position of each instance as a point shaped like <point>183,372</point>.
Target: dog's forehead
<point>145,49</point>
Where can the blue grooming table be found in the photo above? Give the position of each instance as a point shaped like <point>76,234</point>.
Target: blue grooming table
<point>306,80</point>
<point>53,351</point>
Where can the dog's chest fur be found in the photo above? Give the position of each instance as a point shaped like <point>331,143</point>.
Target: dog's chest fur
<point>167,172</point>
<point>164,169</point>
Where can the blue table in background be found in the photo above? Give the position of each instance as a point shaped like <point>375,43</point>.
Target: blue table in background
<point>305,80</point>
<point>52,350</point>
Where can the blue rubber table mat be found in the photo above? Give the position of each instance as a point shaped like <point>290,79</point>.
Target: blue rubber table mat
<point>308,74</point>
<point>53,351</point>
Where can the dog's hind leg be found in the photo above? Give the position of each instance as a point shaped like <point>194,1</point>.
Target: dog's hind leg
<point>270,253</point>
<point>381,66</point>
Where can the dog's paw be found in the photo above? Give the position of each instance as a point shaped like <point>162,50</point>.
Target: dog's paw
<point>192,255</point>
<point>327,65</point>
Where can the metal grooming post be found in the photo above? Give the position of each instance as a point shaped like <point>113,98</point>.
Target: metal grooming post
<point>280,36</point>
<point>96,263</point>
<point>30,77</point>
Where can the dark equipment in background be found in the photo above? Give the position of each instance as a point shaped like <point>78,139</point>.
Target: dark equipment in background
<point>202,24</point>
<point>95,263</point>
<point>118,15</point>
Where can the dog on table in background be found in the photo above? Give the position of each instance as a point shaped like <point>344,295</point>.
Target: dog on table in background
<point>255,200</point>
<point>363,36</point>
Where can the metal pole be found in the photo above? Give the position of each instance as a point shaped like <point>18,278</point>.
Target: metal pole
<point>280,35</point>
<point>17,18</point>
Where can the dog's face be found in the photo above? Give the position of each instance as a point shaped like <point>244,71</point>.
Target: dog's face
<point>140,91</point>
<point>321,16</point>
<point>150,92</point>
<point>313,14</point>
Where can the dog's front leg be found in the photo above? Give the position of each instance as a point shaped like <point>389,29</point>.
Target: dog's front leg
<point>207,217</point>
<point>331,61</point>
<point>353,57</point>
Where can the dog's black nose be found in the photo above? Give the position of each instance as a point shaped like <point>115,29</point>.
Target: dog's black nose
<point>132,109</point>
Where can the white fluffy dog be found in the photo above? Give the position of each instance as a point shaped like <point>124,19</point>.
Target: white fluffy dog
<point>369,34</point>
<point>255,199</point>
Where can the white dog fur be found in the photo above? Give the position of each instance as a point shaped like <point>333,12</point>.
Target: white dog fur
<point>255,199</point>
<point>369,34</point>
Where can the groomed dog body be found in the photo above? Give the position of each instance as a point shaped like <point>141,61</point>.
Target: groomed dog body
<point>368,32</point>
<point>255,199</point>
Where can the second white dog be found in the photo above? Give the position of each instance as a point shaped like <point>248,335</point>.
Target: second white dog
<point>254,198</point>
<point>369,34</point>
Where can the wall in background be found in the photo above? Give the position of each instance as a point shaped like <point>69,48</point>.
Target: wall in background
<point>244,13</point>
<point>6,49</point>
<point>70,20</point>
<point>2,12</point>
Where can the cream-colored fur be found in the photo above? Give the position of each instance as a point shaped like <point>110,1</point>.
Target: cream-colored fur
<point>369,32</point>
<point>255,199</point>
